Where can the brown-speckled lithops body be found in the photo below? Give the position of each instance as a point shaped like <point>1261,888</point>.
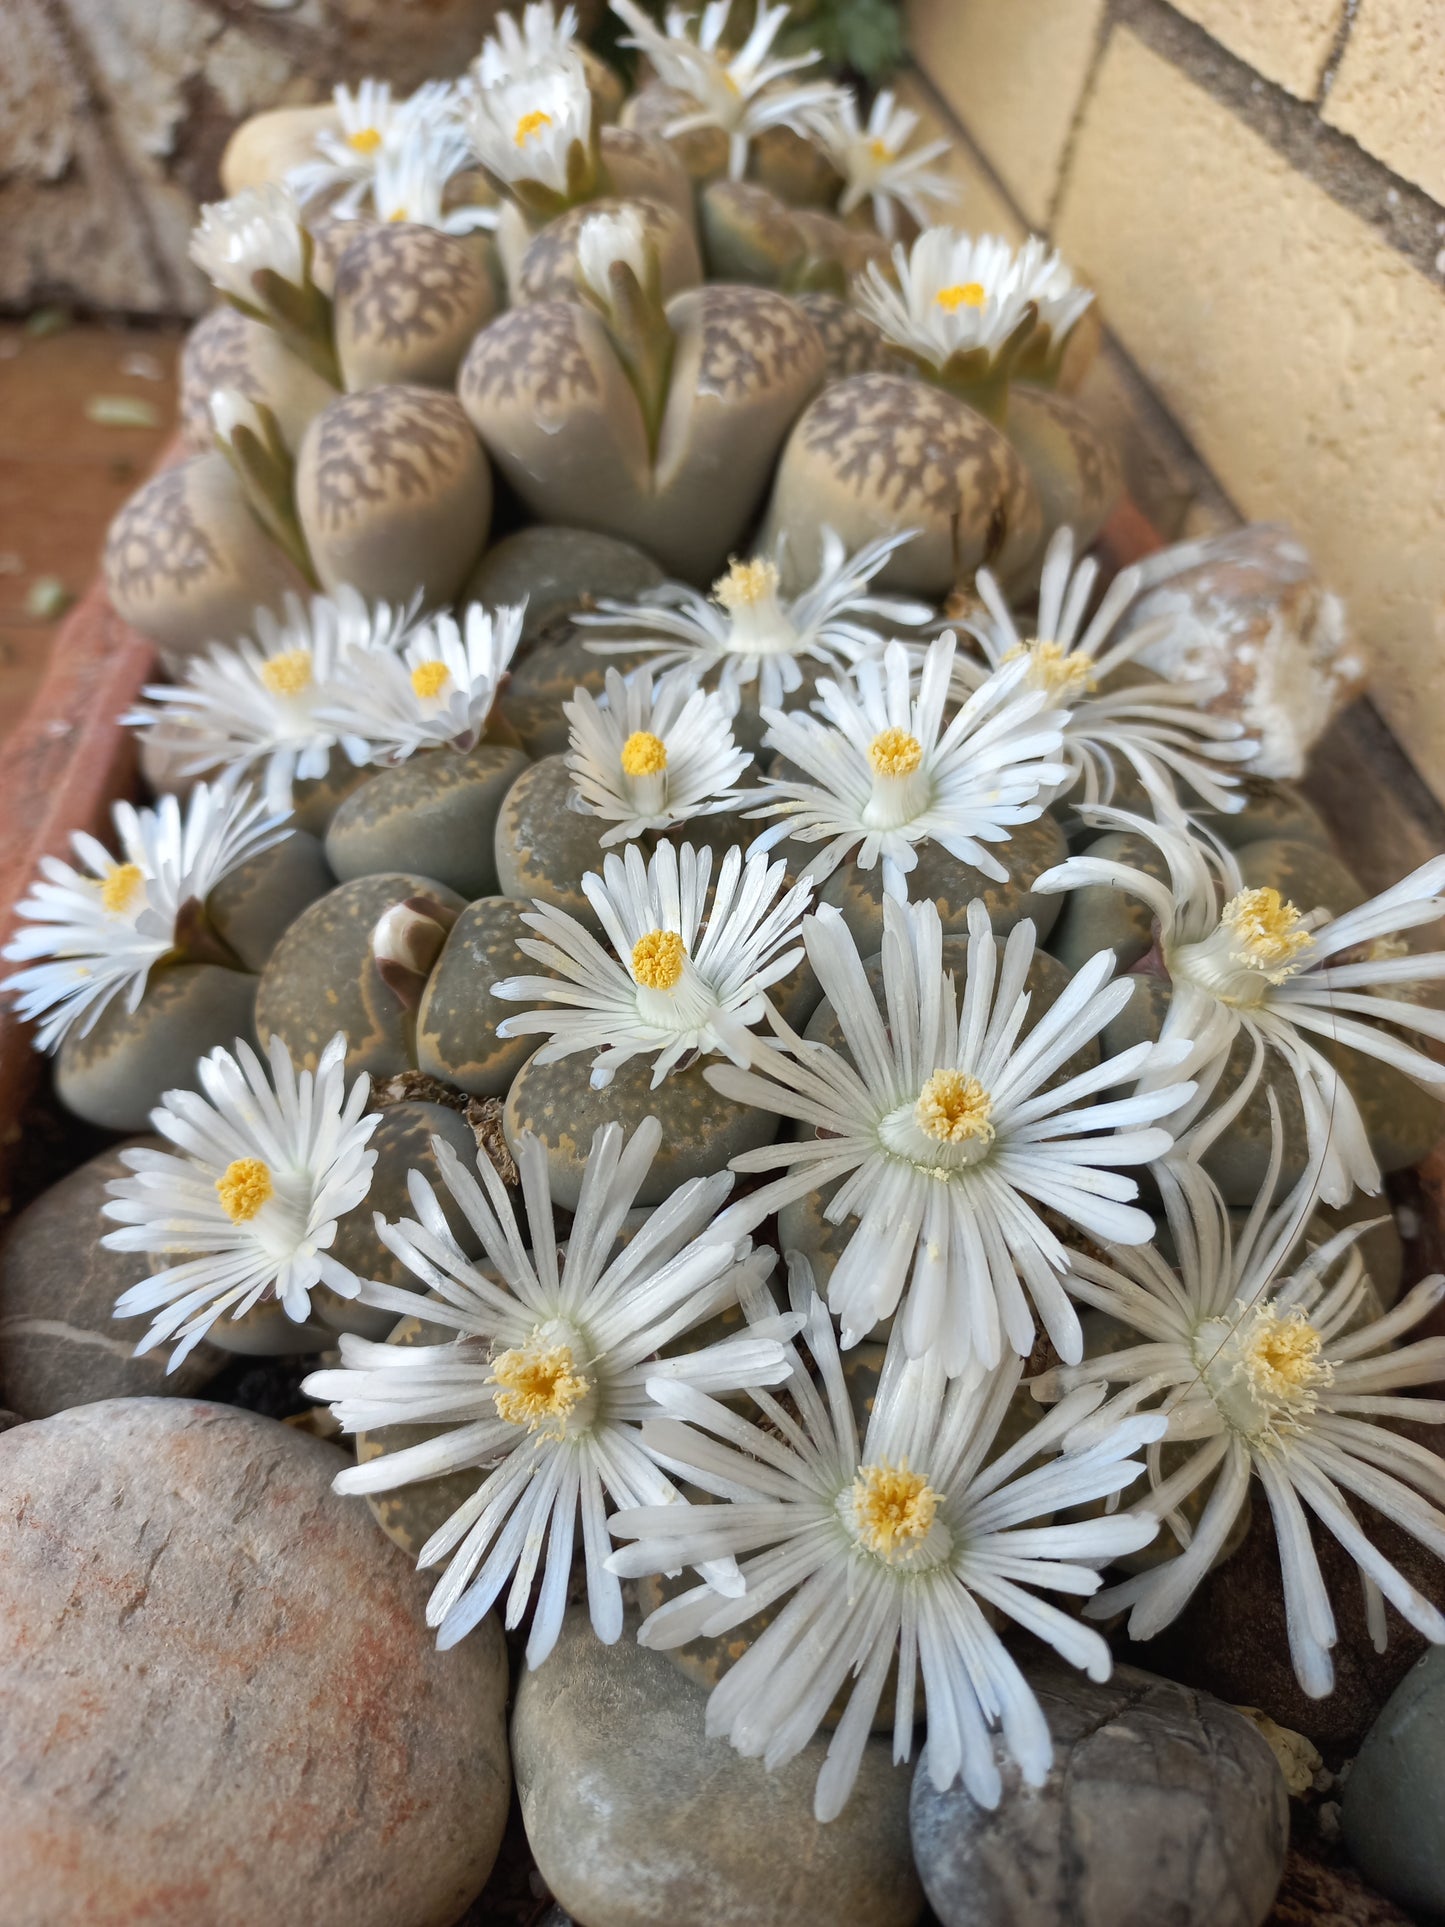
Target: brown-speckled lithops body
<point>226,349</point>
<point>1073,465</point>
<point>407,302</point>
<point>548,269</point>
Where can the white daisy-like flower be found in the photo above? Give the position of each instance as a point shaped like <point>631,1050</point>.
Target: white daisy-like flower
<point>1245,959</point>
<point>254,706</point>
<point>1048,281</point>
<point>754,638</point>
<point>436,691</point>
<point>876,161</point>
<point>907,1549</point>
<point>652,758</point>
<point>543,1388</point>
<point>372,125</point>
<point>256,233</point>
<point>411,180</point>
<point>270,1162</point>
<point>738,91</point>
<point>614,235</point>
<point>883,772</point>
<point>945,1138</point>
<point>93,934</point>
<point>957,295</point>
<point>534,127</point>
<point>514,48</point>
<point>1158,729</point>
<point>686,976</point>
<point>1253,1347</point>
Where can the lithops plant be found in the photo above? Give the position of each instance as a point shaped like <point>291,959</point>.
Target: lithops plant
<point>549,268</point>
<point>407,300</point>
<point>226,350</point>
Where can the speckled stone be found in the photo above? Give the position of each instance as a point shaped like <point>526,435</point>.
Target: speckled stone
<point>877,455</point>
<point>59,1342</point>
<point>1163,1805</point>
<point>1097,917</point>
<point>1393,1815</point>
<point>394,494</point>
<point>548,269</point>
<point>252,906</point>
<point>951,886</point>
<point>222,1702</point>
<point>316,799</point>
<point>114,1075</point>
<point>794,168</point>
<point>558,571</point>
<point>547,677</point>
<point>187,563</point>
<point>702,151</point>
<point>640,167</point>
<point>435,814</point>
<point>322,977</point>
<point>852,343</point>
<point>1073,465</point>
<point>748,234</point>
<point>225,349</point>
<point>680,1828</point>
<point>1305,872</point>
<point>456,1026</point>
<point>407,301</point>
<point>410,1514</point>
<point>1270,809</point>
<point>543,845</point>
<point>701,1129</point>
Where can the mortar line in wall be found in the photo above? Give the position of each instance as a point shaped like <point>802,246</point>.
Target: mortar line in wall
<point>1066,153</point>
<point>1337,51</point>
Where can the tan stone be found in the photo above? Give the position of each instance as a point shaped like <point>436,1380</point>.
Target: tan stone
<point>1288,41</point>
<point>1390,88</point>
<point>1014,75</point>
<point>1298,351</point>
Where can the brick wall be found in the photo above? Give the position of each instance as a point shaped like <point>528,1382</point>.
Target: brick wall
<point>1254,188</point>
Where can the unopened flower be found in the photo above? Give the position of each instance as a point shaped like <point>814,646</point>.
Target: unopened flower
<point>257,232</point>
<point>615,235</point>
<point>650,758</point>
<point>270,1160</point>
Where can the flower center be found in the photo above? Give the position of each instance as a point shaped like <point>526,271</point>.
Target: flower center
<point>1268,932</point>
<point>365,140</point>
<point>644,754</point>
<point>891,1510</point>
<point>963,294</point>
<point>893,752</point>
<point>397,214</point>
<point>1263,1367</point>
<point>288,674</point>
<point>539,1386</point>
<point>1064,673</point>
<point>880,150</point>
<point>243,1187</point>
<point>658,960</point>
<point>746,584</point>
<point>955,1109</point>
<point>430,678</point>
<point>531,124</point>
<point>117,893</point>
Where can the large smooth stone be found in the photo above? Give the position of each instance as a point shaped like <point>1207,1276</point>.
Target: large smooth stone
<point>226,349</point>
<point>548,269</point>
<point>543,845</point>
<point>879,455</point>
<point>550,674</point>
<point>951,886</point>
<point>1163,1805</point>
<point>436,813</point>
<point>322,977</point>
<point>557,571</point>
<point>115,1075</point>
<point>407,302</point>
<point>59,1342</point>
<point>188,564</point>
<point>1393,1813</point>
<point>253,905</point>
<point>680,1828</point>
<point>222,1702</point>
<point>456,1025</point>
<point>394,494</point>
<point>1073,465</point>
<point>701,1129</point>
<point>266,146</point>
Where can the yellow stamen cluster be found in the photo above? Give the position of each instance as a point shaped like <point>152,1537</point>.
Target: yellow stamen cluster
<point>365,140</point>
<point>539,1387</point>
<point>398,214</point>
<point>955,1109</point>
<point>1064,673</point>
<point>893,1508</point>
<point>1269,933</point>
<point>430,678</point>
<point>243,1187</point>
<point>531,124</point>
<point>658,959</point>
<point>644,754</point>
<point>893,752</point>
<point>118,891</point>
<point>289,673</point>
<point>880,150</point>
<point>1280,1353</point>
<point>746,583</point>
<point>963,294</point>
